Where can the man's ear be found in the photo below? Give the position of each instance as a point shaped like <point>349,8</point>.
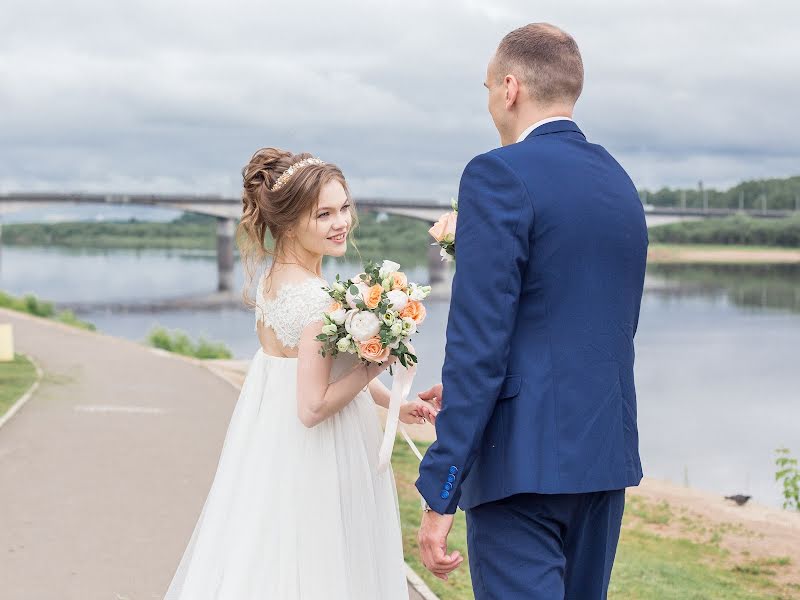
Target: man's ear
<point>512,90</point>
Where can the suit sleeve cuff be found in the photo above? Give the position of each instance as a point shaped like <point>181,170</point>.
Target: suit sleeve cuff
<point>433,496</point>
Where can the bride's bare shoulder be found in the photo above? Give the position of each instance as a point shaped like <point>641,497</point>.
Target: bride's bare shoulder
<point>286,276</point>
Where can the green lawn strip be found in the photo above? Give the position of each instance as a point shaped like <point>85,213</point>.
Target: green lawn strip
<point>649,565</point>
<point>405,466</point>
<point>15,378</point>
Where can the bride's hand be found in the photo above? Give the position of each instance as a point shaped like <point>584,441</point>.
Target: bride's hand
<point>417,411</point>
<point>375,369</point>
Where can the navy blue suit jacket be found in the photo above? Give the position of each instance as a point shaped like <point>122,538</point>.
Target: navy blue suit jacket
<point>539,397</point>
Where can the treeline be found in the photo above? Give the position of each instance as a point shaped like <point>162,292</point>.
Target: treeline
<point>406,239</point>
<point>187,231</point>
<point>738,230</point>
<point>775,194</point>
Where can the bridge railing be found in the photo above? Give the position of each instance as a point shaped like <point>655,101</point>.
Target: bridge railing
<point>708,201</point>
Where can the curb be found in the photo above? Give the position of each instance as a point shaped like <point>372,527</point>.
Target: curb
<point>27,395</point>
<point>416,583</point>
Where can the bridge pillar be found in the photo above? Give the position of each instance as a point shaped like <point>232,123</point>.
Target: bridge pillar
<point>225,233</point>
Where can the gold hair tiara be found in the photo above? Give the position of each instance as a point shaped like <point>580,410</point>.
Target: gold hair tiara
<point>287,174</point>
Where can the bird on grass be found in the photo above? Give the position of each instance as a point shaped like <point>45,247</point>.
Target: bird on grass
<point>738,498</point>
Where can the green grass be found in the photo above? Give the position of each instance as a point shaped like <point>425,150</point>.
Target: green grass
<point>32,305</point>
<point>15,378</point>
<point>179,342</point>
<point>649,566</point>
<point>405,466</point>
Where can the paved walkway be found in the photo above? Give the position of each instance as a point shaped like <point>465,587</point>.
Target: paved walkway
<point>104,471</point>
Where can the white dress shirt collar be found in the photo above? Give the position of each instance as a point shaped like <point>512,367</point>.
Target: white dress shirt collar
<point>525,133</point>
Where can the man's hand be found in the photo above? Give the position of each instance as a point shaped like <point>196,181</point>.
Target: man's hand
<point>417,411</point>
<point>434,396</point>
<point>432,538</point>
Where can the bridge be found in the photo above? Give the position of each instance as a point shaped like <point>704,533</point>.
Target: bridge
<point>227,212</point>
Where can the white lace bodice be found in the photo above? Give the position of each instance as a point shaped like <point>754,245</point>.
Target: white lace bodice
<point>294,306</point>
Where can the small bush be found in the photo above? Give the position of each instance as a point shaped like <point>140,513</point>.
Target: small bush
<point>179,343</point>
<point>31,305</point>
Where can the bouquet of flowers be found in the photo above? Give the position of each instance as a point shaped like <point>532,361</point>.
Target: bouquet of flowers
<point>374,315</point>
<point>444,232</point>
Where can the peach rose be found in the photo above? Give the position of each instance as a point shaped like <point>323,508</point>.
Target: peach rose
<point>414,310</point>
<point>373,350</point>
<point>399,281</point>
<point>444,227</point>
<point>373,296</point>
<point>334,307</point>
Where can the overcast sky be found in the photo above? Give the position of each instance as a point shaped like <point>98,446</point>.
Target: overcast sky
<point>160,96</point>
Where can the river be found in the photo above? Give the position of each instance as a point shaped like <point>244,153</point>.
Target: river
<point>716,353</point>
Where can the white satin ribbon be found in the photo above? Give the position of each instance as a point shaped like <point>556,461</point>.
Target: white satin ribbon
<point>401,386</point>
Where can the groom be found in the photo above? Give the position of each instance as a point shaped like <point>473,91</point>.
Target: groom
<point>537,437</point>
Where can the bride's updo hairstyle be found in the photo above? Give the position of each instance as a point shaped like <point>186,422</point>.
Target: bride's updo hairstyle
<point>272,204</point>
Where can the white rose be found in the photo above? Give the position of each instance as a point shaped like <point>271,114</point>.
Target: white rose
<point>362,325</point>
<point>329,329</point>
<point>397,328</point>
<point>338,316</point>
<point>388,268</point>
<point>398,298</point>
<point>409,326</point>
<point>416,294</point>
<point>343,345</point>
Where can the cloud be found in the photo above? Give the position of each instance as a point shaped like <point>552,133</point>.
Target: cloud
<point>175,96</point>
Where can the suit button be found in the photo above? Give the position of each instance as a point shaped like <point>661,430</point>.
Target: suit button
<point>453,470</point>
<point>451,478</point>
<point>448,486</point>
<point>444,495</point>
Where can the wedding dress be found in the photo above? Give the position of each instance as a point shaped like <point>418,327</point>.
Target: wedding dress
<point>295,512</point>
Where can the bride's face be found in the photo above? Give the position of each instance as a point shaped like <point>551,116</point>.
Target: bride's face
<point>325,233</point>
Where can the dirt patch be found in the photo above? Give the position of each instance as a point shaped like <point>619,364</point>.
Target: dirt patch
<point>757,537</point>
<point>722,255</point>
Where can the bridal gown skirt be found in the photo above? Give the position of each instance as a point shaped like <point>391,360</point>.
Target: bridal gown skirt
<point>293,512</point>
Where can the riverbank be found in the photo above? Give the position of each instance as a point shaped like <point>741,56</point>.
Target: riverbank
<point>720,254</point>
<point>675,543</point>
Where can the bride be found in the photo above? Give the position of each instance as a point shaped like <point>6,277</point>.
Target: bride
<point>297,508</point>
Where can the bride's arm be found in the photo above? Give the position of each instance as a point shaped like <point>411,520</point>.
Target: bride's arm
<point>379,392</point>
<point>316,398</point>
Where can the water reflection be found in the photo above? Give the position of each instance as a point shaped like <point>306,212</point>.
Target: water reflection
<point>752,286</point>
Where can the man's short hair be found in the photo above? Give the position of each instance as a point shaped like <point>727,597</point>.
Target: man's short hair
<point>545,60</point>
